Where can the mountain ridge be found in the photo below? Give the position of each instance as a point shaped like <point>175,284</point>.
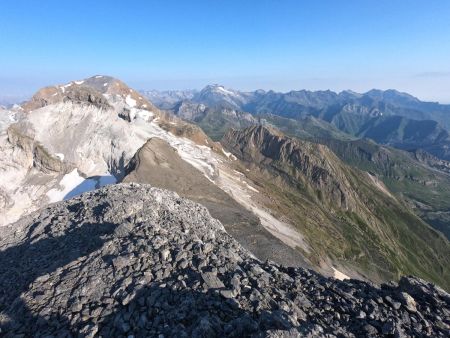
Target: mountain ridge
<point>357,114</point>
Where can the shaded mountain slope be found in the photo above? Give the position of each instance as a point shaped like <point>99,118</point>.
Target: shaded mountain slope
<point>342,212</point>
<point>417,177</point>
<point>134,260</point>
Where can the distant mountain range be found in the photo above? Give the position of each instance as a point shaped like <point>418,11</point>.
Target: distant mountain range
<point>167,99</point>
<point>10,100</point>
<point>388,117</point>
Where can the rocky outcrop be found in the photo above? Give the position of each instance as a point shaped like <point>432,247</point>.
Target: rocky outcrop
<point>131,260</point>
<point>34,153</point>
<point>109,86</point>
<point>309,163</point>
<point>47,163</point>
<point>190,111</point>
<point>181,128</point>
<point>84,94</point>
<point>72,92</point>
<point>432,161</point>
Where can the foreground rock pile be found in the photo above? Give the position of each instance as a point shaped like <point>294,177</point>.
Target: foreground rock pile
<point>131,260</point>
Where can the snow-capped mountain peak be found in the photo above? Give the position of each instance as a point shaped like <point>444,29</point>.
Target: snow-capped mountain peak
<point>74,137</point>
<point>219,95</point>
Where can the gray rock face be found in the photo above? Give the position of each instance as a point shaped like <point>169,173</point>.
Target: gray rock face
<point>35,153</point>
<point>132,260</point>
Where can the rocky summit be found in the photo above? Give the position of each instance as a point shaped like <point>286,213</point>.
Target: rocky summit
<point>133,260</point>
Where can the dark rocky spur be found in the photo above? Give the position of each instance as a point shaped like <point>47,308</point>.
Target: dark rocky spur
<point>132,260</point>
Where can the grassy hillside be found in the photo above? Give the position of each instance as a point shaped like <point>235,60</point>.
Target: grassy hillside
<point>366,229</point>
<point>425,188</point>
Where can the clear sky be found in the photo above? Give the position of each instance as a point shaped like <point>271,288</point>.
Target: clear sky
<point>245,44</point>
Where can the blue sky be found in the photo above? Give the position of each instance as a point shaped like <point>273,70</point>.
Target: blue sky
<point>277,44</point>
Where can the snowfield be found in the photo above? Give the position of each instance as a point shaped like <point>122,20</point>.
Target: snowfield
<point>339,275</point>
<point>72,184</point>
<point>131,102</point>
<point>68,184</point>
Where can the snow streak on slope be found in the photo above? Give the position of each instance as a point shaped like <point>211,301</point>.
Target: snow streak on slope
<point>339,275</point>
<point>73,184</point>
<point>244,193</point>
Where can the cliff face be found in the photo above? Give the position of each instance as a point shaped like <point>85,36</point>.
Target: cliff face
<point>134,260</point>
<point>34,154</point>
<point>311,165</point>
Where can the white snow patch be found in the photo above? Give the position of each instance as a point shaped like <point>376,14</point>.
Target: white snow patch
<point>63,88</point>
<point>98,76</point>
<point>239,190</point>
<point>79,82</point>
<point>105,84</point>
<point>60,156</point>
<point>380,185</point>
<point>143,114</point>
<point>129,101</point>
<point>229,155</point>
<point>132,114</point>
<point>339,275</point>
<point>12,117</point>
<point>251,188</point>
<point>225,91</point>
<point>72,184</point>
